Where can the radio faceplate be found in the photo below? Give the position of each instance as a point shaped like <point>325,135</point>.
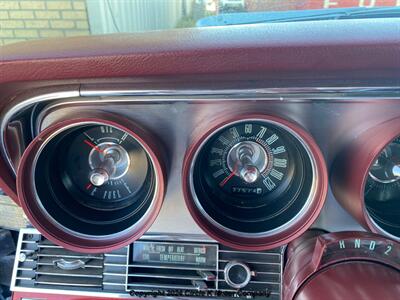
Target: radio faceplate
<point>175,254</point>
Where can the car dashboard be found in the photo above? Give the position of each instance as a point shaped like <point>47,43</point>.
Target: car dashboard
<point>244,161</point>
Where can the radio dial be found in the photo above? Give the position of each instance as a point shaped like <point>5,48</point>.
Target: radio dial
<point>237,274</point>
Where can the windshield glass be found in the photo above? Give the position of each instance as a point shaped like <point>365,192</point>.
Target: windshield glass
<point>36,19</point>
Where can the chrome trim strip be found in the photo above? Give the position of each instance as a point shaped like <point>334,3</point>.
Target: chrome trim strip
<point>14,109</point>
<point>101,294</point>
<point>18,251</point>
<point>86,91</point>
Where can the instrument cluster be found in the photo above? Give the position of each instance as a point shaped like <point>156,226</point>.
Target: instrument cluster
<point>254,177</point>
<point>253,183</point>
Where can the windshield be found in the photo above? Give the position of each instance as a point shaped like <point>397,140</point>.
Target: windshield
<point>37,19</point>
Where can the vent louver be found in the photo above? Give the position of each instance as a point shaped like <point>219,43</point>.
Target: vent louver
<point>115,270</point>
<point>44,265</point>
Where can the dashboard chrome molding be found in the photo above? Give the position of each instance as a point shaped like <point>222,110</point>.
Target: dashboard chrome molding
<point>20,105</point>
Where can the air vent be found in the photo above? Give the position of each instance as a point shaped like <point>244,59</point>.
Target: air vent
<point>115,270</point>
<point>265,267</point>
<point>44,265</point>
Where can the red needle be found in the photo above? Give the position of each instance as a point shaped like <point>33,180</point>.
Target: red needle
<point>223,182</point>
<point>90,144</point>
<point>88,186</point>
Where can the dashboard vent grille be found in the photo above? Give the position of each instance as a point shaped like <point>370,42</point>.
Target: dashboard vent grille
<point>44,265</point>
<point>266,265</point>
<point>115,270</point>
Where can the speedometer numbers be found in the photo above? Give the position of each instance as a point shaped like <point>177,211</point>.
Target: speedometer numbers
<point>248,159</point>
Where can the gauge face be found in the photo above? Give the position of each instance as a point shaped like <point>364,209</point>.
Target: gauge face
<point>382,188</point>
<point>106,166</point>
<point>99,177</point>
<point>246,162</point>
<point>251,176</point>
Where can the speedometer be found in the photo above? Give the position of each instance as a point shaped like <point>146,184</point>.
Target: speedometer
<point>250,180</point>
<point>246,163</point>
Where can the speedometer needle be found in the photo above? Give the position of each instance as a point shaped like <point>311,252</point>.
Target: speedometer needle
<point>223,182</point>
<point>90,144</point>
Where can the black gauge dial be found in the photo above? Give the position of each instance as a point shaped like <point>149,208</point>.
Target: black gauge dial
<point>247,160</point>
<point>383,181</point>
<point>382,188</point>
<point>106,165</point>
<point>99,176</point>
<point>249,176</point>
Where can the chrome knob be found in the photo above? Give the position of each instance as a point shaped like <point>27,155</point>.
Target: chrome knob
<point>99,177</point>
<point>249,173</point>
<point>237,274</point>
<point>108,161</point>
<point>396,170</point>
<point>247,160</point>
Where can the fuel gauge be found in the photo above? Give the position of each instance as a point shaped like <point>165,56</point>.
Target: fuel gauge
<point>105,166</point>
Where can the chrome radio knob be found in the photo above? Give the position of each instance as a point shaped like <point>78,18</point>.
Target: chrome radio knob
<point>237,274</point>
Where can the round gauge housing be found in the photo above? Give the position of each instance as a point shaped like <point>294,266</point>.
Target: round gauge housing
<point>366,178</point>
<point>345,265</point>
<point>254,182</point>
<point>382,189</point>
<point>91,184</point>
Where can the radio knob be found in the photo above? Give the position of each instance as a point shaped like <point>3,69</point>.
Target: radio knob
<point>237,274</point>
